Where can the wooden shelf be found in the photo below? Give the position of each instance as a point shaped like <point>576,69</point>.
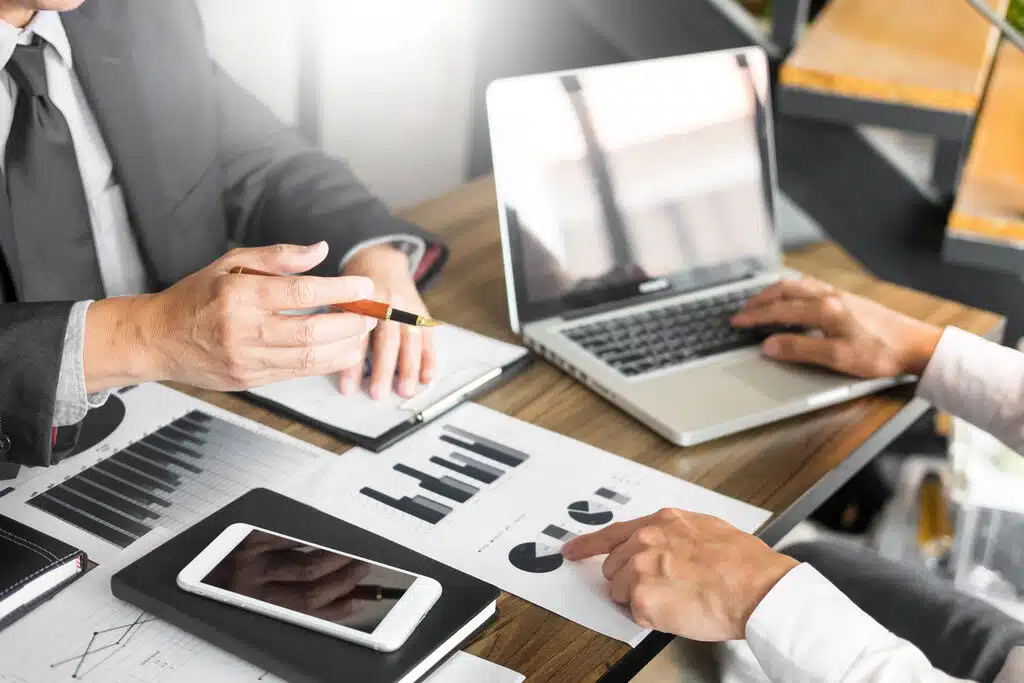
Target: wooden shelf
<point>990,203</point>
<point>933,54</point>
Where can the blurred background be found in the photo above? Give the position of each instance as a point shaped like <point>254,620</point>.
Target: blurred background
<point>393,80</point>
<point>390,86</point>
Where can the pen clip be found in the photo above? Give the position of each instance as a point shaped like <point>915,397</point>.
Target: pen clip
<point>450,399</point>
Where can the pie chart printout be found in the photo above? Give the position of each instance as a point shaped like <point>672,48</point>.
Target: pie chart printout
<point>590,512</point>
<point>535,558</point>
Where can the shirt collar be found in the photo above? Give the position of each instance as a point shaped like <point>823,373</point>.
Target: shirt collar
<point>45,24</point>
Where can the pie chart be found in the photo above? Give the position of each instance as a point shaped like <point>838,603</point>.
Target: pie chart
<point>589,512</point>
<point>100,423</point>
<point>534,558</point>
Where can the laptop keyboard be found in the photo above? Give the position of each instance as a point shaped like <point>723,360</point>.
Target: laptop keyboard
<point>645,342</point>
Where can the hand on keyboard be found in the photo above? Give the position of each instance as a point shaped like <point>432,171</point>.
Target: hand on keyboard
<point>641,343</point>
<point>859,337</point>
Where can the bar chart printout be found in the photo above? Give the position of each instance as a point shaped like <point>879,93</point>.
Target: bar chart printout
<point>417,506</point>
<point>532,491</point>
<point>499,453</point>
<point>608,494</point>
<point>474,469</point>
<point>448,487</point>
<point>453,490</point>
<point>170,478</point>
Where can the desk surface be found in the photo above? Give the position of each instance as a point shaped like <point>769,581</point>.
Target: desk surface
<point>990,203</point>
<point>773,467</point>
<point>924,53</point>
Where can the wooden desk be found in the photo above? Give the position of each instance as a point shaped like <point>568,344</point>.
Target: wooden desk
<point>788,468</point>
<point>924,53</point>
<point>990,204</point>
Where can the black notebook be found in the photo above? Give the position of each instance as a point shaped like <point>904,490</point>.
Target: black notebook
<point>296,654</point>
<point>33,567</point>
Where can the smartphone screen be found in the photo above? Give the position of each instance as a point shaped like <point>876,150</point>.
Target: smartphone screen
<point>319,583</point>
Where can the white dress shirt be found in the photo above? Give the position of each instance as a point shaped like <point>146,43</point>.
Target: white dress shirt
<point>120,262</point>
<point>806,630</point>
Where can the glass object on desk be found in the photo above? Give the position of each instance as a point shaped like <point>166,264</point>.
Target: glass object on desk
<point>988,558</point>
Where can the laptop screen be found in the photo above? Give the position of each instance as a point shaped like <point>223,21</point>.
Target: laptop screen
<point>633,180</point>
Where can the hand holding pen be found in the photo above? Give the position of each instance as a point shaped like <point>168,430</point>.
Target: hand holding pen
<point>401,347</point>
<point>378,310</point>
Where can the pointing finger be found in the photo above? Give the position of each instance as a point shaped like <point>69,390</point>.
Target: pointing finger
<point>604,541</point>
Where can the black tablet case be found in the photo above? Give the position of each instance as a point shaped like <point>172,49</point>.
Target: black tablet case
<point>293,653</point>
<point>398,432</point>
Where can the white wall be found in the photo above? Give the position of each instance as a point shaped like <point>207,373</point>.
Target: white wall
<point>257,43</point>
<point>396,77</point>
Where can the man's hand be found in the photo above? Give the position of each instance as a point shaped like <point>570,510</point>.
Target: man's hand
<point>683,573</point>
<point>857,337</point>
<point>225,331</point>
<point>402,348</point>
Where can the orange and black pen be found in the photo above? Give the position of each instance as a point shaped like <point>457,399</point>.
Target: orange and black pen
<point>365,307</point>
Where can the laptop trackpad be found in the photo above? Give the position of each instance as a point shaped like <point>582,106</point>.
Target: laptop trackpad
<point>783,382</point>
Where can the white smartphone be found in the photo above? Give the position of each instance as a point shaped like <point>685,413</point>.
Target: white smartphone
<point>309,585</point>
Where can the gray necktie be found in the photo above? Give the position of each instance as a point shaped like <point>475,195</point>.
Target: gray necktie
<point>52,230</point>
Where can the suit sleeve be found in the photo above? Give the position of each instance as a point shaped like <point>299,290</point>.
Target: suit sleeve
<point>31,347</point>
<point>279,189</point>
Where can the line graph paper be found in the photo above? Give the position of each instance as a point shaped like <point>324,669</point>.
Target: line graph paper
<point>88,635</point>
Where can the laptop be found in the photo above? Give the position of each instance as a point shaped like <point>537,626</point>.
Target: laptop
<point>637,210</point>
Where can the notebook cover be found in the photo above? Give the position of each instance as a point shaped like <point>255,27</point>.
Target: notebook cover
<point>27,555</point>
<point>398,432</point>
<point>291,652</point>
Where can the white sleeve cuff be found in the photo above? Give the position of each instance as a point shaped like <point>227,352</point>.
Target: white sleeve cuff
<point>414,247</point>
<point>805,630</point>
<point>73,403</point>
<point>979,381</point>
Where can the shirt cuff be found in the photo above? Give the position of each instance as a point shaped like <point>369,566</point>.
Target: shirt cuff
<point>793,632</point>
<point>411,245</point>
<point>73,402</point>
<point>977,380</point>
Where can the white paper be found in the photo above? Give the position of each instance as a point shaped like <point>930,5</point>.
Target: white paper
<point>462,358</point>
<point>238,456</point>
<point>465,668</point>
<point>86,634</point>
<point>517,516</point>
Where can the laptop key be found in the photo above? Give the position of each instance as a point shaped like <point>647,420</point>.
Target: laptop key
<point>660,338</point>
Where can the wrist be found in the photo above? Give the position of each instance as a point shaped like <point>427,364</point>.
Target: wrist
<point>378,258</point>
<point>770,571</point>
<point>119,344</point>
<point>919,348</point>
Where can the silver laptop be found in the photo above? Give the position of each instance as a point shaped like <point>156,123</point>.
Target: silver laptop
<point>637,206</point>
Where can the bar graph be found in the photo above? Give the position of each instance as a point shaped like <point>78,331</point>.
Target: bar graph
<point>448,487</point>
<point>170,478</point>
<point>608,494</point>
<point>485,462</point>
<point>426,509</point>
<point>558,533</point>
<point>483,447</point>
<point>465,465</point>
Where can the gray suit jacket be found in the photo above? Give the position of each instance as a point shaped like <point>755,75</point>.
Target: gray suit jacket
<point>202,164</point>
